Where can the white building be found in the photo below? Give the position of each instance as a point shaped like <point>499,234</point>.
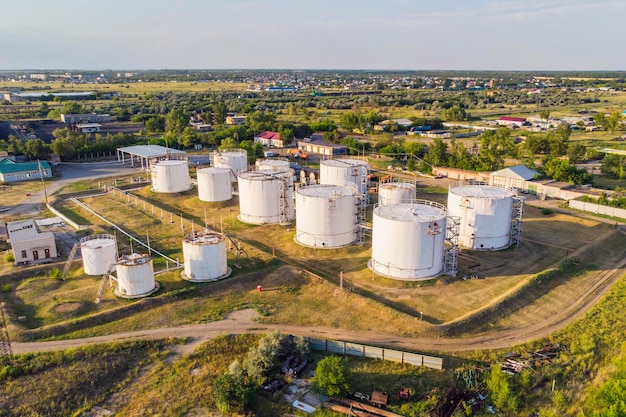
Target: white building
<point>29,244</point>
<point>11,171</point>
<point>88,127</point>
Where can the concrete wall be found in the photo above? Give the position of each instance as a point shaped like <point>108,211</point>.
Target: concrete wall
<point>598,209</point>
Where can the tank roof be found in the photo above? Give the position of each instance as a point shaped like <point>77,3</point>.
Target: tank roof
<point>97,243</point>
<point>340,162</point>
<point>172,162</point>
<point>411,212</point>
<point>406,185</point>
<point>201,238</point>
<point>133,259</point>
<point>481,191</point>
<point>269,174</point>
<point>323,190</point>
<point>213,170</point>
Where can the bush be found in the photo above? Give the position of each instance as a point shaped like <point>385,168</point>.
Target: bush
<point>9,257</point>
<point>6,288</point>
<point>547,211</point>
<point>55,273</point>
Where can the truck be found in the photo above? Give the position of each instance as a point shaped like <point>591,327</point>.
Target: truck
<point>298,154</point>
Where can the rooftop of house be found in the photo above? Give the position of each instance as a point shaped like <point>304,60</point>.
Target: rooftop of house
<point>8,166</point>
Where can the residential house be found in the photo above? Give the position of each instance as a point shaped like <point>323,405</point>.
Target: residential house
<point>270,139</point>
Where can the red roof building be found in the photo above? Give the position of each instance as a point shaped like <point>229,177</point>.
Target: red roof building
<point>271,139</point>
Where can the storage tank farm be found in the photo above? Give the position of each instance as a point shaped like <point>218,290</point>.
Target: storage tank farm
<point>396,191</point>
<point>135,276</point>
<point>326,216</point>
<point>272,164</point>
<point>214,184</point>
<point>408,240</point>
<point>236,160</point>
<point>170,176</point>
<point>340,171</point>
<point>99,252</point>
<point>266,197</point>
<point>485,212</point>
<point>204,254</point>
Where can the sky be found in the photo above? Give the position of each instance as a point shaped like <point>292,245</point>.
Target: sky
<point>313,34</point>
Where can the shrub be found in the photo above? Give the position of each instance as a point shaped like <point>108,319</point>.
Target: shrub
<point>546,211</point>
<point>6,288</point>
<point>9,257</point>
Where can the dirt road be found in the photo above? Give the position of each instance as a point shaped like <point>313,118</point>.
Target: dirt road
<point>244,322</point>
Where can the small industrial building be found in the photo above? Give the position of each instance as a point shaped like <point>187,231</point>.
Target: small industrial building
<point>512,121</point>
<point>513,177</point>
<point>88,127</point>
<point>235,120</point>
<point>11,171</point>
<point>29,244</point>
<point>85,118</point>
<point>316,144</point>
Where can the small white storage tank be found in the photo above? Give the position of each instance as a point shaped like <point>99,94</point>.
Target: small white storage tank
<point>236,160</point>
<point>408,240</point>
<point>266,197</point>
<point>214,184</point>
<point>395,192</point>
<point>339,171</point>
<point>204,255</point>
<point>326,216</point>
<point>135,276</point>
<point>99,252</point>
<point>485,215</point>
<point>273,164</point>
<point>170,176</point>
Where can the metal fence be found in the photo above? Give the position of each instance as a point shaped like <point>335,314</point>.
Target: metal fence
<point>356,349</point>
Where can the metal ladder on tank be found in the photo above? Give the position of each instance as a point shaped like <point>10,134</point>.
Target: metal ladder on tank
<point>106,276</point>
<point>282,201</point>
<point>360,218</point>
<point>70,259</point>
<point>451,253</point>
<point>517,221</point>
<point>365,184</point>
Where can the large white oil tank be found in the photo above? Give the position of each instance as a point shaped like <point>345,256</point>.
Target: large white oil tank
<point>204,256</point>
<point>99,252</point>
<point>272,164</point>
<point>266,197</point>
<point>395,192</point>
<point>170,176</point>
<point>485,215</point>
<point>408,240</point>
<point>339,171</point>
<point>236,160</point>
<point>214,184</point>
<point>135,276</point>
<point>326,216</point>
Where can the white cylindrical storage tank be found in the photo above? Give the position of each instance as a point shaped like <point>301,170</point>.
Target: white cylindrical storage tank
<point>204,255</point>
<point>135,276</point>
<point>408,240</point>
<point>274,164</point>
<point>214,184</point>
<point>485,215</point>
<point>326,216</point>
<point>236,160</point>
<point>266,197</point>
<point>339,171</point>
<point>396,192</point>
<point>99,252</point>
<point>170,176</point>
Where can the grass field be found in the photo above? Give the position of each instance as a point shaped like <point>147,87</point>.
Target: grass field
<point>302,283</point>
<point>131,88</point>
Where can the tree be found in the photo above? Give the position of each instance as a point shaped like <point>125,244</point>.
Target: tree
<point>544,114</point>
<point>437,153</point>
<point>576,152</point>
<point>176,121</point>
<point>494,146</point>
<point>332,377</point>
<point>261,360</point>
<point>614,165</point>
<point>155,124</point>
<point>219,112</point>
<point>36,149</point>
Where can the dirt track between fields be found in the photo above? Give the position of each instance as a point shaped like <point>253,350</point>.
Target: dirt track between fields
<point>244,322</point>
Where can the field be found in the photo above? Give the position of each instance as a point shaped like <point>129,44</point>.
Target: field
<point>302,285</point>
<point>130,88</point>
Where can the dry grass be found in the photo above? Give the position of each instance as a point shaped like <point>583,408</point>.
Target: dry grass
<point>295,296</point>
<point>130,88</point>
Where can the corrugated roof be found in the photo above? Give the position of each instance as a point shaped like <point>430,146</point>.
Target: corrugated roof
<point>8,166</point>
<point>521,172</point>
<point>268,135</point>
<point>512,119</point>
